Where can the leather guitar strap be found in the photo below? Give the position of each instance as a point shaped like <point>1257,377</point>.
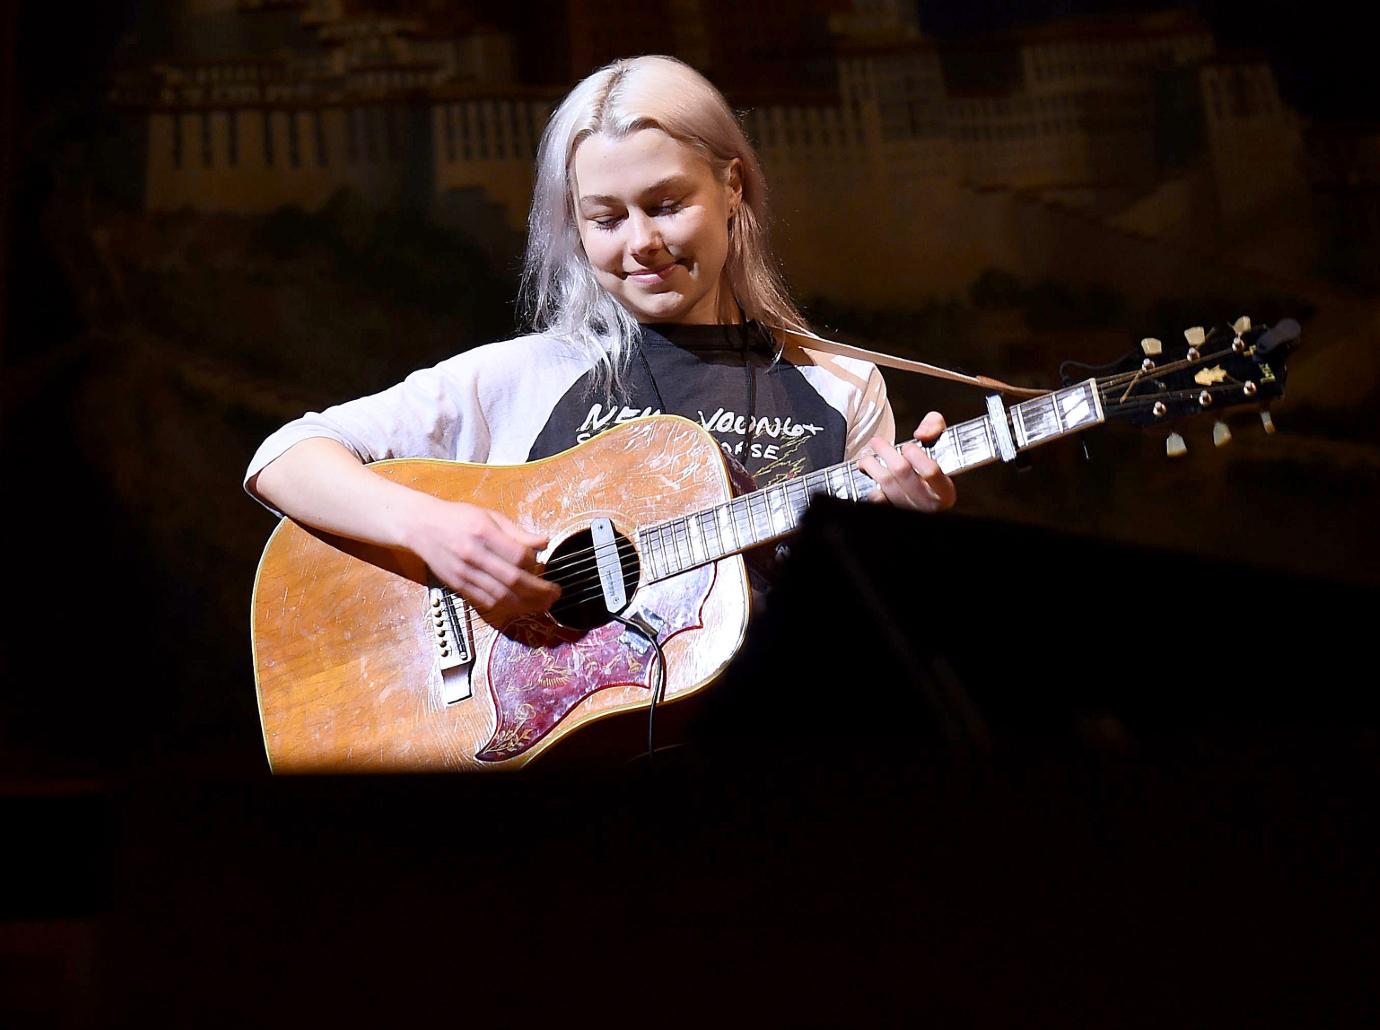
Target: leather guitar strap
<point>905,364</point>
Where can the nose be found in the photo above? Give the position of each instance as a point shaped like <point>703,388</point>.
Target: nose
<point>644,239</point>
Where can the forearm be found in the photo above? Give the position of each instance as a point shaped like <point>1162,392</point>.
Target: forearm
<point>321,483</point>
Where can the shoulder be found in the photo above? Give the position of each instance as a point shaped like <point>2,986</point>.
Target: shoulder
<point>818,365</point>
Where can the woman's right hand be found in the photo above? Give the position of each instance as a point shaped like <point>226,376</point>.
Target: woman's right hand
<point>485,556</point>
<point>489,559</point>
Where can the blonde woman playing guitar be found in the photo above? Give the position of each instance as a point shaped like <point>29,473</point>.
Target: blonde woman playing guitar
<point>650,286</point>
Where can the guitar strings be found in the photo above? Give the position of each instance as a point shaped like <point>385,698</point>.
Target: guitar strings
<point>576,571</point>
<point>1120,379</point>
<point>575,568</point>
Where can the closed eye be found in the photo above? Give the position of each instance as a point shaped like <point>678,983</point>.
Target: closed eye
<point>612,222</point>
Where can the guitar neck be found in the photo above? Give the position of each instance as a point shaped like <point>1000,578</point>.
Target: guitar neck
<point>766,515</point>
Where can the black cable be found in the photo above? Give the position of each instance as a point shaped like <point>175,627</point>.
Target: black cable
<point>658,681</point>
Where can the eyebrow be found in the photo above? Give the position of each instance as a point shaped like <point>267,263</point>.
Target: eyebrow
<point>671,181</point>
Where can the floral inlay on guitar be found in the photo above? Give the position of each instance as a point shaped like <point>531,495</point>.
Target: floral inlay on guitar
<point>540,670</point>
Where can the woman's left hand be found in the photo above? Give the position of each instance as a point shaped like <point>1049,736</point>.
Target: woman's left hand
<point>908,477</point>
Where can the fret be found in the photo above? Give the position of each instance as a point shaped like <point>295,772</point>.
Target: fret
<point>960,448</point>
<point>781,519</point>
<point>646,539</point>
<point>681,536</point>
<point>742,522</point>
<point>727,529</point>
<point>798,496</point>
<point>761,520</point>
<point>666,557</point>
<point>976,443</point>
<point>979,433</point>
<point>1078,406</point>
<point>709,521</point>
<point>654,562</point>
<point>947,451</point>
<point>696,533</point>
<point>1036,420</point>
<point>839,483</point>
<point>642,544</point>
<point>859,482</point>
<point>1044,418</point>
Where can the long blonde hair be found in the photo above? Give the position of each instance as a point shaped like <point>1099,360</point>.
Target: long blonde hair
<point>560,293</point>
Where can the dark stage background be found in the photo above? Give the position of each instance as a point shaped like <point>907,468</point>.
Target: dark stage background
<point>1097,748</point>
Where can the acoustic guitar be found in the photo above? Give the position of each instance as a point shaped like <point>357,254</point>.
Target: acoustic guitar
<point>364,663</point>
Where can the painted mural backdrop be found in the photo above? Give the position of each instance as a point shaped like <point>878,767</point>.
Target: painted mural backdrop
<point>225,212</point>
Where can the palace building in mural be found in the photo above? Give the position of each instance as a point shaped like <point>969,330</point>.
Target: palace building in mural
<point>877,139</point>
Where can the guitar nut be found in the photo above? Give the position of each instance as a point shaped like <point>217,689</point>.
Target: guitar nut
<point>1205,399</point>
<point>1147,365</point>
<point>1249,389</point>
<point>1193,354</point>
<point>1159,409</point>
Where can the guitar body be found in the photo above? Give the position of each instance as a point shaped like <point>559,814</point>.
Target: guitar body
<point>362,664</point>
<point>349,672</point>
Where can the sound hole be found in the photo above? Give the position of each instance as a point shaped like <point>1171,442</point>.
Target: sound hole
<point>574,567</point>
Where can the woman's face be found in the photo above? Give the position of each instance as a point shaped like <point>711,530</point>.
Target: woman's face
<point>653,218</point>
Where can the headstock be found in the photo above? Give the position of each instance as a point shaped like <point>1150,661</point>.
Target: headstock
<point>1213,372</point>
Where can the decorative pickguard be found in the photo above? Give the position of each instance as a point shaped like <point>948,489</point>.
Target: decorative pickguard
<point>539,671</point>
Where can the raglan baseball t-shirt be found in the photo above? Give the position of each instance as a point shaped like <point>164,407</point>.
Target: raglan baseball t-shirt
<point>532,397</point>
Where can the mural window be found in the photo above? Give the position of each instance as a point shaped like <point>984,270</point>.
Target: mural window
<point>294,151</point>
<point>391,129</point>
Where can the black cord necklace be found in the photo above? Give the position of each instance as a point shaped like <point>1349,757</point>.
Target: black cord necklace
<point>745,331</point>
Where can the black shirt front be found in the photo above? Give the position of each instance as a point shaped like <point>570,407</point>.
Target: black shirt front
<point>763,411</point>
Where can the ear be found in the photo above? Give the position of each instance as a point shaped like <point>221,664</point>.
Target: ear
<point>733,182</point>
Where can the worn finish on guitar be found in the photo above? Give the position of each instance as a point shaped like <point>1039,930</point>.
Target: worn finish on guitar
<point>346,664</point>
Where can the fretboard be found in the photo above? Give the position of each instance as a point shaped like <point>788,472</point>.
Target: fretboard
<point>678,544</point>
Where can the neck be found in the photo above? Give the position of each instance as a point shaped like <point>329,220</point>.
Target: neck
<point>766,515</point>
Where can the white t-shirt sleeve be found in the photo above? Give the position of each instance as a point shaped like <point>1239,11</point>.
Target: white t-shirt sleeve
<point>870,416</point>
<point>484,405</point>
<point>433,413</point>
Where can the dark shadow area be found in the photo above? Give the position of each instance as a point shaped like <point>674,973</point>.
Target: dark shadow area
<point>963,770</point>
<point>1100,749</point>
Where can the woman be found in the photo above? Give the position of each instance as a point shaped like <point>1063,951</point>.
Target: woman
<point>650,284</point>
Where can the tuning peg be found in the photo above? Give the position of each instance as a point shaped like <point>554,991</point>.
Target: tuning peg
<point>1174,446</point>
<point>1195,336</point>
<point>1221,434</point>
<point>1242,324</point>
<point>1266,420</point>
<point>1152,347</point>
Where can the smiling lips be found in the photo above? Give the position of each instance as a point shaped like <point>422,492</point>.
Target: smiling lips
<point>653,275</point>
